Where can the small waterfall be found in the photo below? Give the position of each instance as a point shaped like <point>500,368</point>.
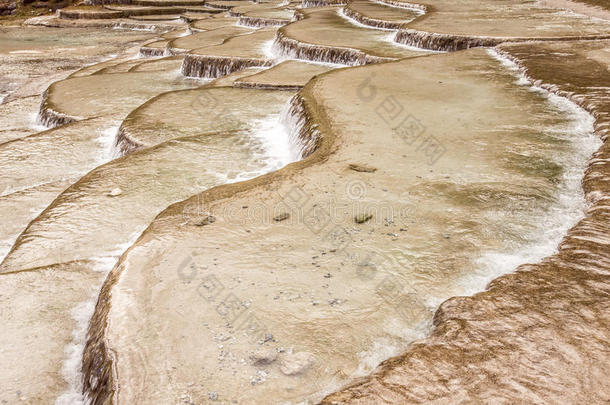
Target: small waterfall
<point>256,22</point>
<point>212,67</point>
<point>139,27</point>
<point>369,22</point>
<point>88,15</point>
<point>50,118</point>
<point>124,144</point>
<point>442,42</point>
<point>304,135</point>
<point>420,8</point>
<point>291,48</point>
<point>322,3</point>
<point>150,52</point>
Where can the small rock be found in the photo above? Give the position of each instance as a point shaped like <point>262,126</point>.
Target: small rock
<point>362,168</point>
<point>115,192</point>
<point>281,217</point>
<point>263,357</point>
<point>204,220</point>
<point>446,236</point>
<point>268,337</point>
<point>328,275</point>
<point>296,363</point>
<point>261,377</point>
<point>362,218</point>
<point>213,396</point>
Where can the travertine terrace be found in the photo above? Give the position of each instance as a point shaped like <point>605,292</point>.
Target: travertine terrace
<point>286,202</point>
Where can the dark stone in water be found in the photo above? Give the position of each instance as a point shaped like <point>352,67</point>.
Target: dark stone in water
<point>362,218</point>
<point>206,220</point>
<point>281,217</point>
<point>362,168</point>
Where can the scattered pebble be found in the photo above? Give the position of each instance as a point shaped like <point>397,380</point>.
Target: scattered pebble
<point>261,377</point>
<point>263,356</point>
<point>362,218</point>
<point>281,217</point>
<point>362,168</point>
<point>296,363</point>
<point>204,220</point>
<point>115,192</point>
<point>213,396</point>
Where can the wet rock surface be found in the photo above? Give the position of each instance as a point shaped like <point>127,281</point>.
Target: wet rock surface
<point>294,202</point>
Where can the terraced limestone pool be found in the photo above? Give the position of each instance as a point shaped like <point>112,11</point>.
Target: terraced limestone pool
<point>237,202</point>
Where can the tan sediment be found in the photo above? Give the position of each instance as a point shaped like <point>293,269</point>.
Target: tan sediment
<point>592,8</point>
<point>122,67</point>
<point>123,23</point>
<point>75,14</point>
<point>449,27</point>
<point>449,42</point>
<point>539,334</point>
<point>96,67</point>
<point>116,12</point>
<point>156,17</point>
<point>206,38</point>
<point>276,255</point>
<point>77,98</point>
<point>212,23</point>
<point>288,75</point>
<point>159,65</point>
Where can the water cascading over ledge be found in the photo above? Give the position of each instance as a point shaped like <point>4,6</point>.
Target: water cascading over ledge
<point>371,22</point>
<point>259,22</point>
<point>450,42</point>
<point>98,361</point>
<point>403,4</point>
<point>50,118</point>
<point>322,3</point>
<point>151,52</point>
<point>212,67</point>
<point>291,48</point>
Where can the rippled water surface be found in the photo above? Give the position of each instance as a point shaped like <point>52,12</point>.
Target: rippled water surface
<point>108,158</point>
